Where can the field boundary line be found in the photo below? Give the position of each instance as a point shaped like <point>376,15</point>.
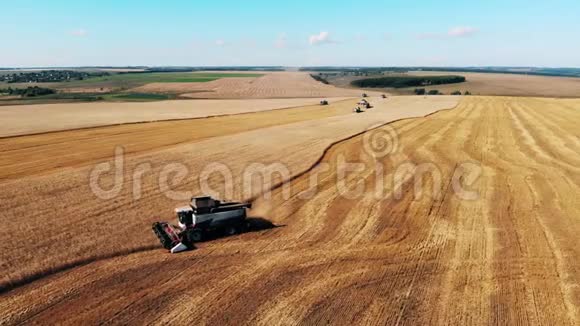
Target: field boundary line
<point>338,142</point>
<point>8,286</point>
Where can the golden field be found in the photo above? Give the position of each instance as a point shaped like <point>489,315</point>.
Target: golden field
<point>411,255</point>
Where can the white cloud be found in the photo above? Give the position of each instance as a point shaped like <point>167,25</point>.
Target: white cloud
<point>462,31</point>
<point>81,32</point>
<point>281,41</point>
<point>220,42</point>
<point>320,38</point>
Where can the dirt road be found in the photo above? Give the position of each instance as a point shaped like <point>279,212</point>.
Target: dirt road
<point>507,255</point>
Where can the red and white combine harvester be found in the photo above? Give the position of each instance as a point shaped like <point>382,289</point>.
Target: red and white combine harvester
<point>202,216</point>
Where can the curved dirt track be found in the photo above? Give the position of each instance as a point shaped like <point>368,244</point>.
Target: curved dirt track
<point>507,257</point>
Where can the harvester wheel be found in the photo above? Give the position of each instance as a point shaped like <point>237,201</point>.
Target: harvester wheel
<point>231,230</point>
<point>245,227</point>
<point>194,236</point>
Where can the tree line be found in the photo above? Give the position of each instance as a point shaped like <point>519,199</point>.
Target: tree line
<point>422,91</point>
<point>49,76</point>
<point>407,81</point>
<point>28,92</point>
<point>319,78</point>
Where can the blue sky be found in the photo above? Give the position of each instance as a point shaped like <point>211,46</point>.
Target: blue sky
<point>365,32</point>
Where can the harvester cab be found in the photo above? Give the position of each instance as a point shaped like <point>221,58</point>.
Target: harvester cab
<point>202,216</point>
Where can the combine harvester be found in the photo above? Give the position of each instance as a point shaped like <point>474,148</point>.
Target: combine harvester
<point>365,104</point>
<point>202,216</point>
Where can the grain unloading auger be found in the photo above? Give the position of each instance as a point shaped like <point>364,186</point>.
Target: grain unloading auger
<point>202,216</point>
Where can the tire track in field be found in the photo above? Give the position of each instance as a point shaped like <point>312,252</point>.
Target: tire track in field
<point>533,144</point>
<point>554,119</point>
<point>546,134</point>
<point>10,285</point>
<point>566,280</point>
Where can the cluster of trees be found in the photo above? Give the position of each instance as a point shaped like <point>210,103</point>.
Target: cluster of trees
<point>459,93</point>
<point>49,76</point>
<point>407,81</point>
<point>319,78</point>
<point>28,92</point>
<point>422,91</point>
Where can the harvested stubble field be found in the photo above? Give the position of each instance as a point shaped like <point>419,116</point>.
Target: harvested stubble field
<point>271,85</point>
<point>510,84</point>
<point>30,119</point>
<point>507,257</point>
<point>43,153</point>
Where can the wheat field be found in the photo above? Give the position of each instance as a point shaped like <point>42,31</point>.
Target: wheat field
<point>505,254</point>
